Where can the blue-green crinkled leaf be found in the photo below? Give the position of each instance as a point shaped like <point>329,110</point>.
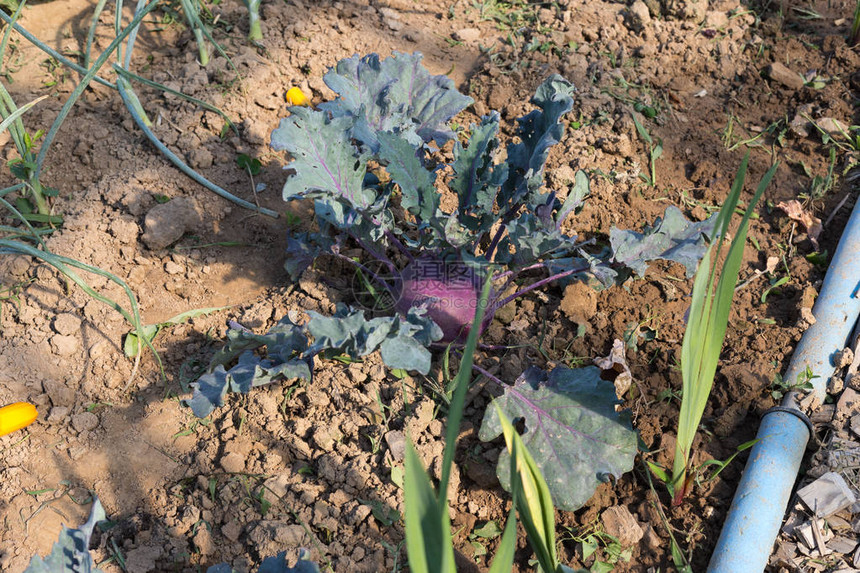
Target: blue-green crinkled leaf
<point>571,429</point>
<point>402,341</point>
<point>70,554</point>
<point>672,238</point>
<point>249,372</point>
<point>285,345</point>
<point>476,178</point>
<point>406,347</point>
<point>533,240</point>
<point>348,331</point>
<point>539,130</point>
<point>283,340</point>
<point>209,392</point>
<point>405,352</point>
<point>417,183</point>
<point>276,564</point>
<point>325,161</point>
<point>575,197</point>
<point>394,94</point>
<point>302,251</point>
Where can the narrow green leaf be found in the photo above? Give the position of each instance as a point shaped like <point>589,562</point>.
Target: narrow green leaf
<point>532,495</point>
<point>131,345</point>
<point>708,320</point>
<point>10,119</point>
<point>429,545</point>
<point>461,384</point>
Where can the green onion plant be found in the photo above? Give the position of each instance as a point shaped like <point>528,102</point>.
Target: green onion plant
<point>707,323</point>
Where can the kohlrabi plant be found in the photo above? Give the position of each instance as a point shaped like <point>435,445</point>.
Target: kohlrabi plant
<point>375,164</point>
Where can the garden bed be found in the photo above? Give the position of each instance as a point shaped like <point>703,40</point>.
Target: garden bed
<point>316,465</point>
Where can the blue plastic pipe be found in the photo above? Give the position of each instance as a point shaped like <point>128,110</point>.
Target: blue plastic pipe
<point>757,510</point>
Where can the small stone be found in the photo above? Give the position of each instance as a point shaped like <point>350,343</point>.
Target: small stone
<point>855,425</point>
<point>835,385</point>
<point>620,523</point>
<point>98,349</point>
<point>142,559</point>
<point>85,422</point>
<point>843,358</point>
<point>59,392</point>
<point>203,540</point>
<point>173,268</point>
<point>467,35</point>
<point>782,74</point>
<point>842,545</point>
<point>716,19</point>
<point>848,404</point>
<point>167,222</point>
<point>833,127</point>
<point>57,414</point>
<point>638,15</point>
<point>124,230</point>
<point>579,302</point>
<point>396,444</point>
<point>64,345</point>
<point>806,318</point>
<point>200,158</point>
<point>233,462</point>
<point>232,530</point>
<point>67,323</point>
<point>506,313</point>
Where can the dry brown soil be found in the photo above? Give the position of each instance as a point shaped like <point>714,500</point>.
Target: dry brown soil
<point>292,465</point>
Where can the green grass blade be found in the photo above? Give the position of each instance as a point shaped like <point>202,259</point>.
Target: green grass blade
<point>255,32</point>
<point>429,546</point>
<point>458,401</point>
<point>8,32</point>
<point>208,35</point>
<point>20,216</point>
<point>85,81</point>
<point>65,265</point>
<point>503,562</point>
<point>207,106</point>
<point>12,117</point>
<point>191,10</point>
<point>91,32</point>
<point>7,108</point>
<point>129,45</point>
<point>124,90</point>
<point>12,189</point>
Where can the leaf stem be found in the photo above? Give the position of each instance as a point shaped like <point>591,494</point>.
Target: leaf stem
<point>400,246</point>
<point>379,255</point>
<point>538,284</point>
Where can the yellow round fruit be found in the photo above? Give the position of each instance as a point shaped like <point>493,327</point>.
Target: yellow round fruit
<point>16,416</point>
<point>296,96</point>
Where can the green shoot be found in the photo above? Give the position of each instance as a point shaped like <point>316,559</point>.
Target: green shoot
<point>191,8</point>
<point>706,326</point>
<point>255,32</point>
<point>855,26</point>
<point>655,150</point>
